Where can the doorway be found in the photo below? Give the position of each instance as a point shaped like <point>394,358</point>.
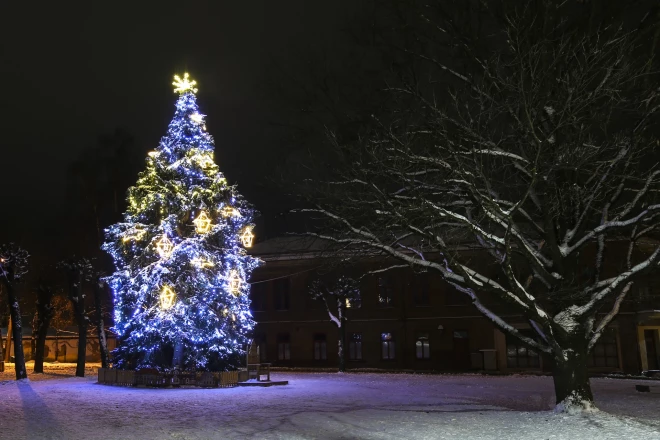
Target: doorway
<point>461,350</point>
<point>652,351</point>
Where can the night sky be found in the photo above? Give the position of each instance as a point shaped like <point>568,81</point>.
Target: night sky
<point>73,71</point>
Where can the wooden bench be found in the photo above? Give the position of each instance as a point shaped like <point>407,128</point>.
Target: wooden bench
<point>255,367</point>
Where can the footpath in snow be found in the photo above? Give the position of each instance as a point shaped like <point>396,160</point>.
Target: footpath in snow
<point>327,406</point>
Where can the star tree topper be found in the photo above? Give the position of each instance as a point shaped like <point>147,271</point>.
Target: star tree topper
<point>183,85</point>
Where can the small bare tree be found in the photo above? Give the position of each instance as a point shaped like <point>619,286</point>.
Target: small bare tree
<point>337,295</point>
<point>534,184</point>
<point>13,266</point>
<point>77,272</point>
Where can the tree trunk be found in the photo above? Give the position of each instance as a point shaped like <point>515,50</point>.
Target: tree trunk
<point>340,347</point>
<point>100,329</point>
<point>78,302</point>
<point>17,333</point>
<point>44,316</point>
<point>177,357</point>
<point>8,343</point>
<point>39,351</point>
<point>571,379</point>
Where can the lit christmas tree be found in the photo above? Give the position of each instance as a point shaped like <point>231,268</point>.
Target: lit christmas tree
<point>180,290</point>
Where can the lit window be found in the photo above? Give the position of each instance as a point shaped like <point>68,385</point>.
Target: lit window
<point>355,347</point>
<point>422,347</point>
<point>387,345</point>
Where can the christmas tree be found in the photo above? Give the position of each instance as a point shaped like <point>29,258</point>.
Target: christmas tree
<point>180,290</point>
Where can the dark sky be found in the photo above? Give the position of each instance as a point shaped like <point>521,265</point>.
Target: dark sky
<point>71,71</point>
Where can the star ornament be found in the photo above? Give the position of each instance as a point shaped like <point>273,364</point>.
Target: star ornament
<point>164,247</point>
<point>202,223</point>
<point>185,84</point>
<point>167,298</point>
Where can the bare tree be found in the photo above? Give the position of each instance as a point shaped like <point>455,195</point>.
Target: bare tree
<point>337,295</point>
<point>77,272</point>
<point>534,184</point>
<point>13,266</point>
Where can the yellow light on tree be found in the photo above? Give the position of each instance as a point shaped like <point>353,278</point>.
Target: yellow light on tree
<point>164,247</point>
<point>230,211</point>
<point>167,298</point>
<point>247,237</point>
<point>136,235</point>
<point>205,160</point>
<point>201,263</point>
<point>235,282</point>
<point>185,84</point>
<point>202,223</point>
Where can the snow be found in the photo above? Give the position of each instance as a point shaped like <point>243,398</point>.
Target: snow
<point>328,406</point>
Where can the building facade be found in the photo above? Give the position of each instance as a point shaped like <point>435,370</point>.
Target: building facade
<point>412,321</point>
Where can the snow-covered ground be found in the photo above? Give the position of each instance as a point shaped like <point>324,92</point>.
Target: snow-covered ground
<point>327,406</point>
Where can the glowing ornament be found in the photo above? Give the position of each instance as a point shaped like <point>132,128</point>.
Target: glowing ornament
<point>136,235</point>
<point>152,153</point>
<point>230,211</point>
<point>201,263</point>
<point>197,118</point>
<point>247,236</point>
<point>184,85</point>
<point>167,297</point>
<point>235,282</point>
<point>164,247</point>
<point>202,223</point>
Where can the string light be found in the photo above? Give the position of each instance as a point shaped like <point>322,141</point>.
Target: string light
<point>167,297</point>
<point>164,247</point>
<point>202,223</point>
<point>205,160</point>
<point>247,236</point>
<point>182,85</point>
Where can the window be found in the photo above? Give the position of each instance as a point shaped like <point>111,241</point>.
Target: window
<point>520,356</point>
<point>387,344</point>
<point>320,347</point>
<point>283,347</point>
<point>422,347</point>
<point>605,352</point>
<point>421,290</point>
<point>281,292</point>
<point>355,347</point>
<point>260,340</point>
<point>258,296</point>
<point>385,297</point>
